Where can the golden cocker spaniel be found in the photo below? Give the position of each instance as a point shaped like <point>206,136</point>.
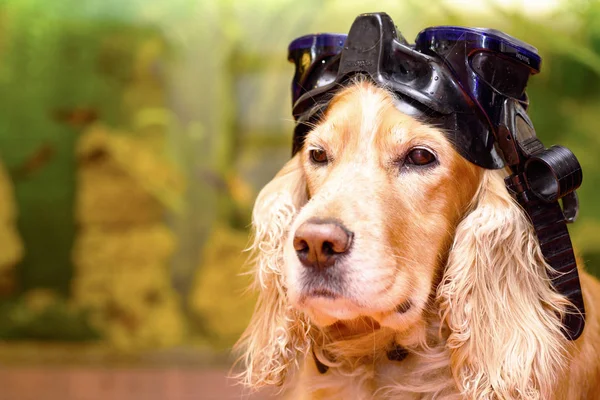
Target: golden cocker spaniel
<point>389,267</point>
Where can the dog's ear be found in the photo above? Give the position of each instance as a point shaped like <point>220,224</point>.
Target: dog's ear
<point>503,316</point>
<point>276,333</point>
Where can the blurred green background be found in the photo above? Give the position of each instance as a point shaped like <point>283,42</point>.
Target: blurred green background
<point>134,136</point>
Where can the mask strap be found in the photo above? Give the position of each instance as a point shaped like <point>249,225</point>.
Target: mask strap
<point>540,177</point>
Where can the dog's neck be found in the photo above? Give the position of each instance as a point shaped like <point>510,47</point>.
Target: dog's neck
<point>363,341</point>
<point>403,362</point>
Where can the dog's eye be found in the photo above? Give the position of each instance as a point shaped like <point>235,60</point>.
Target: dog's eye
<point>318,156</point>
<point>419,156</point>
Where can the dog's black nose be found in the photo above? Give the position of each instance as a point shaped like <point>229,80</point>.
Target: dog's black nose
<point>319,244</point>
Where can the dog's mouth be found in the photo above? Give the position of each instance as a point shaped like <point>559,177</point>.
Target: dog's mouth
<point>324,293</point>
<point>327,299</point>
<point>328,296</point>
<point>327,305</point>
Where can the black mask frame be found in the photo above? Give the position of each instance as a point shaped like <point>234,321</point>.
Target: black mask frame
<point>471,82</point>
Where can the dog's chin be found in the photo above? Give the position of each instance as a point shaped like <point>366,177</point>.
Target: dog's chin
<point>329,310</point>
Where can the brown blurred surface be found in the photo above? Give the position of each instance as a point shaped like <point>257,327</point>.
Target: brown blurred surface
<point>90,383</point>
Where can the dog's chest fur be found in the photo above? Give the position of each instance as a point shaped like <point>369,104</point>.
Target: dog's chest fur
<point>415,378</point>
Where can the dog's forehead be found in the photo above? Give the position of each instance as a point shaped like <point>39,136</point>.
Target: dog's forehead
<point>365,114</point>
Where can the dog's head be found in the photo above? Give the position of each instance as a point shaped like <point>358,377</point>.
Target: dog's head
<point>385,193</point>
<point>377,223</point>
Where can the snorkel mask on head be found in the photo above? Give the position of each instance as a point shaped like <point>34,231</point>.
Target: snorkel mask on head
<point>471,83</point>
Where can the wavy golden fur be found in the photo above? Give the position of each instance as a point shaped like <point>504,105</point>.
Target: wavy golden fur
<point>443,263</point>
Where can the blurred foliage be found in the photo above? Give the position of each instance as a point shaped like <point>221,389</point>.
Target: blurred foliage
<point>122,179</point>
<point>11,246</point>
<point>137,134</point>
<point>56,60</point>
<point>121,253</point>
<point>42,315</point>
<point>216,302</point>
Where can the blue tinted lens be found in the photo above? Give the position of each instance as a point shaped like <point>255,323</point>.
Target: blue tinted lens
<point>311,54</point>
<point>316,41</point>
<point>483,39</point>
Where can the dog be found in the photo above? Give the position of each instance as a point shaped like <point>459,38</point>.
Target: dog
<point>388,266</point>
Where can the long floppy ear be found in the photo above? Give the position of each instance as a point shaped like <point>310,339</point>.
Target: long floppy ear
<point>276,333</point>
<point>503,315</point>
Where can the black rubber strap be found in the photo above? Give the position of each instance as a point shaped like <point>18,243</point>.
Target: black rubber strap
<point>550,227</point>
